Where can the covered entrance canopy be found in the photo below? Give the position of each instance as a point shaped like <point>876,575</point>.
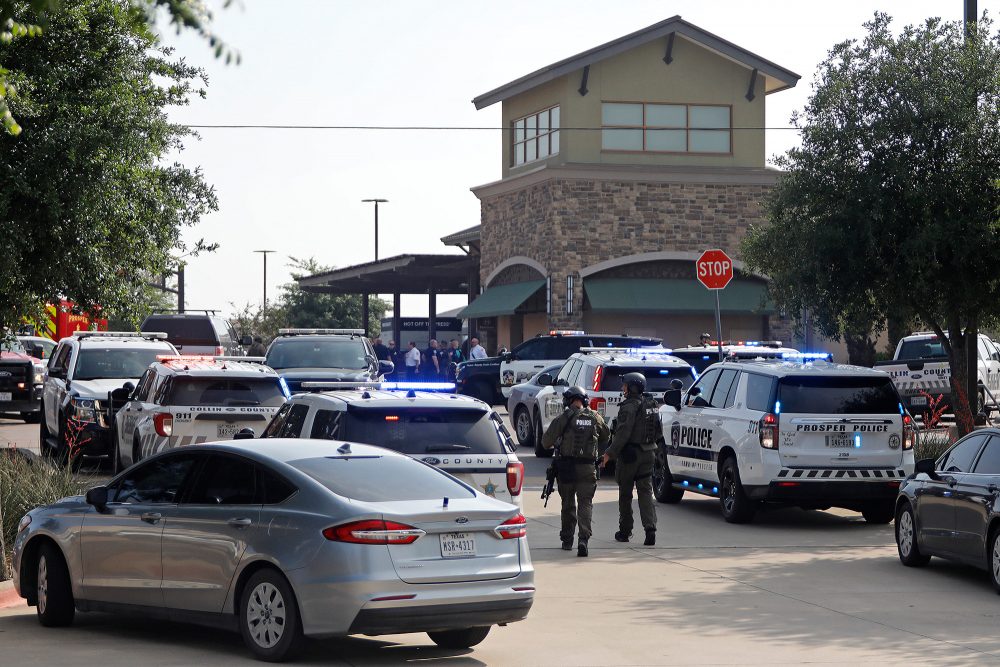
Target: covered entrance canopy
<point>402,274</point>
<point>501,300</point>
<point>666,295</point>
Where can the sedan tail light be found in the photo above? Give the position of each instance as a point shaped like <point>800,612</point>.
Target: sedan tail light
<point>373,531</point>
<point>768,429</point>
<point>598,405</point>
<point>219,350</point>
<point>512,528</point>
<point>909,433</point>
<point>515,478</point>
<point>163,422</point>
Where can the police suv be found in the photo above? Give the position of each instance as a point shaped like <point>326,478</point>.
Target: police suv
<point>185,399</point>
<point>310,355</point>
<point>458,434</point>
<point>702,356</point>
<point>799,432</point>
<point>599,371</point>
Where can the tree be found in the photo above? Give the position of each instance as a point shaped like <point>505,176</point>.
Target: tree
<point>308,309</point>
<point>889,207</point>
<point>90,208</point>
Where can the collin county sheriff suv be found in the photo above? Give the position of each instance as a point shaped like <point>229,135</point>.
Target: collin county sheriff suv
<point>460,435</point>
<point>811,434</point>
<point>189,399</point>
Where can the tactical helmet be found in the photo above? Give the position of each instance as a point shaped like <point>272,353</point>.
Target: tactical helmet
<point>573,393</point>
<point>635,381</point>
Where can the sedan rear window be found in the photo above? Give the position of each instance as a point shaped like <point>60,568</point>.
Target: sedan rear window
<point>230,392</point>
<point>838,395</point>
<point>423,431</point>
<point>382,478</point>
<point>657,379</point>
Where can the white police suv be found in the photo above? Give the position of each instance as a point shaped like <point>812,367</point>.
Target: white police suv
<point>461,435</point>
<point>799,432</point>
<point>187,399</point>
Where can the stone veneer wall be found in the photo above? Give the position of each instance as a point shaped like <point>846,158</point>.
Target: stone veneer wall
<point>578,223</point>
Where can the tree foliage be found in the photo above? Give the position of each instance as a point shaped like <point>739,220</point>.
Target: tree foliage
<point>90,207</point>
<point>888,209</point>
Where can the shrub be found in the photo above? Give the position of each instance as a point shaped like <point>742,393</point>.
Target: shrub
<point>932,443</point>
<point>26,482</point>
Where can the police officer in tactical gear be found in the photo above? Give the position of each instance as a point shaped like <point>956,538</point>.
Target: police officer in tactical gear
<point>576,435</point>
<point>633,448</point>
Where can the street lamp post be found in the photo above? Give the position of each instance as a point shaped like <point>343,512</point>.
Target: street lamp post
<point>376,202</point>
<point>265,254</point>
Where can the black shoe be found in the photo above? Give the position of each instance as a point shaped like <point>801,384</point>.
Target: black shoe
<point>567,545</point>
<point>581,549</point>
<point>622,536</point>
<point>650,537</point>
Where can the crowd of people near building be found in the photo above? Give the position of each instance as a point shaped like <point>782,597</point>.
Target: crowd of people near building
<point>435,363</point>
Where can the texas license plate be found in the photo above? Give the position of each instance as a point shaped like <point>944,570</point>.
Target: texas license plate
<point>458,545</point>
<point>839,441</point>
<point>226,430</point>
<point>6,396</point>
<point>918,400</point>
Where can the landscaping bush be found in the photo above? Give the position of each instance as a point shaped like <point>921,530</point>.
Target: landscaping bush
<point>26,482</point>
<point>932,443</point>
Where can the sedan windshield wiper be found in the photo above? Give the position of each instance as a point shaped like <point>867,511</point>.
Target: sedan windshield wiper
<point>447,448</point>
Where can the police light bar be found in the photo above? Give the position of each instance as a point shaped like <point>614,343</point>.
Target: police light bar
<point>418,386</point>
<point>629,350</point>
<point>747,343</point>
<point>333,384</point>
<point>807,356</point>
<point>248,360</point>
<point>317,332</point>
<point>148,335</point>
<point>184,357</point>
<point>566,332</point>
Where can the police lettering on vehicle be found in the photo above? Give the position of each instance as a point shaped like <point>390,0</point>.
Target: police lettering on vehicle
<point>692,436</point>
<point>842,428</point>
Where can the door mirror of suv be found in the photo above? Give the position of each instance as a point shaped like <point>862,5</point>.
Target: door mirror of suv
<point>672,397</point>
<point>244,434</point>
<point>385,367</point>
<point>928,467</point>
<point>98,497</point>
<point>122,394</point>
<point>508,356</point>
<point>694,391</point>
<point>545,380</point>
<point>561,382</point>
<point>246,341</point>
<point>57,373</point>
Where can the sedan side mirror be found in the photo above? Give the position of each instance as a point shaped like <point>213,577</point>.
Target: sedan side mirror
<point>385,367</point>
<point>98,497</point>
<point>672,397</point>
<point>928,467</point>
<point>545,380</point>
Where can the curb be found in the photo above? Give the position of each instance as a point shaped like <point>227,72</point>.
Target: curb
<point>9,597</point>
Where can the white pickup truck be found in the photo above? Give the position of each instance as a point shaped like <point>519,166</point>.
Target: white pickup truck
<point>921,372</point>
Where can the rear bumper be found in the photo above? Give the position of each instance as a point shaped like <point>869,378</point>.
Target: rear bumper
<point>840,493</point>
<point>430,618</point>
<point>24,400</point>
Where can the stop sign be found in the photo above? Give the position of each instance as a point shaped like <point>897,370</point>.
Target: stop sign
<point>714,269</point>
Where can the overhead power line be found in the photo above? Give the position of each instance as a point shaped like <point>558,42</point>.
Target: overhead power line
<point>446,128</point>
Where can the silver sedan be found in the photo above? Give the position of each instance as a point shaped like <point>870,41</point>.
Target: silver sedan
<point>281,539</point>
<point>522,407</point>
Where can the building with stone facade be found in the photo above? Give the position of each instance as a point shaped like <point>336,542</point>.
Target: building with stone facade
<point>620,166</point>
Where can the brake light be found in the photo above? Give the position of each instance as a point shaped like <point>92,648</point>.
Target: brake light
<point>163,422</point>
<point>515,477</point>
<point>392,418</point>
<point>598,372</point>
<point>768,429</point>
<point>909,433</point>
<point>598,405</point>
<point>373,531</point>
<point>219,350</point>
<point>512,528</point>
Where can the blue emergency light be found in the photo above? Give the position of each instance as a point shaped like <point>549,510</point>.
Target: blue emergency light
<point>284,387</point>
<point>418,386</point>
<point>807,356</point>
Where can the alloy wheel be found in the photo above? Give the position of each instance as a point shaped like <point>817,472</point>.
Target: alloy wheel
<point>996,557</point>
<point>523,426</point>
<point>728,492</point>
<point>43,584</point>
<point>265,615</point>
<point>905,537</point>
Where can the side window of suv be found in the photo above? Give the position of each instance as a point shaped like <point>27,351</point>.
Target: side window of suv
<point>759,392</point>
<point>326,424</point>
<point>568,370</point>
<point>723,388</point>
<point>564,348</point>
<point>145,382</point>
<point>288,422</point>
<point>533,350</point>
<point>60,360</point>
<point>707,384</point>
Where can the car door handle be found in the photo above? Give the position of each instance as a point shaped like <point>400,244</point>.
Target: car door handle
<point>717,422</point>
<point>151,517</point>
<point>241,522</point>
<point>950,481</point>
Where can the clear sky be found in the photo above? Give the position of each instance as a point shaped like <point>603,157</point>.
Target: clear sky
<point>395,62</point>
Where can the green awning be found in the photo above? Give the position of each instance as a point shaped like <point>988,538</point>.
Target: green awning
<point>500,300</point>
<point>663,295</point>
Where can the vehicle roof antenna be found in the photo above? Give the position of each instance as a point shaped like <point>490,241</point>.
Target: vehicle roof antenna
<point>344,448</point>
<point>445,503</point>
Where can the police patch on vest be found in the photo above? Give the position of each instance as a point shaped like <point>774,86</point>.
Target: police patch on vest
<point>584,422</point>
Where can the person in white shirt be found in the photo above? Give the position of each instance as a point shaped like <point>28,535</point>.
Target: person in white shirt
<point>412,362</point>
<point>477,351</point>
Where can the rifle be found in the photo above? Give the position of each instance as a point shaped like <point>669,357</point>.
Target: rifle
<point>550,472</point>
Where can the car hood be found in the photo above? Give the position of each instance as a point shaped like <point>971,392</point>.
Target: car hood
<point>307,374</point>
<point>99,388</point>
<point>6,355</point>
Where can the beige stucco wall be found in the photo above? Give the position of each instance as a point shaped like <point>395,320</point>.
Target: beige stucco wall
<point>696,76</point>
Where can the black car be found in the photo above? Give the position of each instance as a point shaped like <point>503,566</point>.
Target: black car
<point>324,355</point>
<point>949,507</point>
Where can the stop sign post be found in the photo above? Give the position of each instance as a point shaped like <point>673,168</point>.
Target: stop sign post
<point>714,270</point>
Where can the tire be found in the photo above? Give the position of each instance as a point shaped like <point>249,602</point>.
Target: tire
<point>136,450</point>
<point>464,638</point>
<point>55,607</point>
<point>523,427</point>
<point>31,417</point>
<point>116,457</point>
<point>43,438</point>
<point>540,451</point>
<point>906,538</point>
<point>663,487</point>
<point>736,506</point>
<point>994,559</point>
<point>880,513</point>
<point>269,617</point>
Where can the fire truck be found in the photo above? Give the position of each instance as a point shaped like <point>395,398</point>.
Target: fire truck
<point>61,320</point>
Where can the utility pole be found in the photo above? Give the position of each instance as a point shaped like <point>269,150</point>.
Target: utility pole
<point>364,297</point>
<point>265,253</point>
<point>971,15</point>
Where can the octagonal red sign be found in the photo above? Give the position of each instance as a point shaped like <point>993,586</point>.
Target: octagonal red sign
<point>714,269</point>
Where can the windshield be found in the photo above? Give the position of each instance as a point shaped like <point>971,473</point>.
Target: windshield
<point>11,346</point>
<point>423,431</point>
<point>929,348</point>
<point>197,391</point>
<point>838,395</point>
<point>699,359</point>
<point>42,346</point>
<point>657,379</point>
<point>184,331</point>
<point>382,478</point>
<point>114,363</point>
<point>313,353</point>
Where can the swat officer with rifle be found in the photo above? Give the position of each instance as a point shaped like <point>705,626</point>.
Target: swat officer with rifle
<point>575,435</point>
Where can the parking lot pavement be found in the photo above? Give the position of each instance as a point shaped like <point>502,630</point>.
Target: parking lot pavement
<point>792,587</point>
<point>15,433</point>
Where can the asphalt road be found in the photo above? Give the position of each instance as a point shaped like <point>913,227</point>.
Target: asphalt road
<point>793,587</point>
